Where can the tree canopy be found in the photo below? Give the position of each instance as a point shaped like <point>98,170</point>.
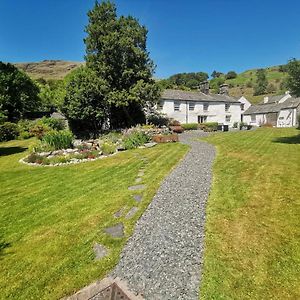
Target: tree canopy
<point>116,54</point>
<point>18,93</point>
<point>293,81</point>
<point>261,82</point>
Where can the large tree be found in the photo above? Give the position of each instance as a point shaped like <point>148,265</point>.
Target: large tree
<point>293,81</point>
<point>18,93</point>
<point>116,51</point>
<point>261,82</point>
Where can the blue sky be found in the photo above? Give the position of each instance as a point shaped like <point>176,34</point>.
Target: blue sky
<point>184,36</point>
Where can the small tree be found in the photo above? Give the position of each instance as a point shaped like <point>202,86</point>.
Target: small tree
<point>18,93</point>
<point>216,74</point>
<point>85,104</point>
<point>261,82</point>
<point>231,75</point>
<point>293,81</point>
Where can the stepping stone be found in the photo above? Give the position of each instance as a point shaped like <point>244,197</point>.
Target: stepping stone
<point>119,213</point>
<point>132,212</point>
<point>138,180</point>
<point>138,198</point>
<point>100,251</point>
<point>137,187</point>
<point>141,173</point>
<point>150,145</point>
<point>116,231</point>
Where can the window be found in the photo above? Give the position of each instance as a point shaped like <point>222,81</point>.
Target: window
<point>160,105</point>
<point>227,106</point>
<point>228,118</point>
<point>176,106</point>
<point>253,118</point>
<point>192,106</point>
<point>205,106</point>
<point>242,106</point>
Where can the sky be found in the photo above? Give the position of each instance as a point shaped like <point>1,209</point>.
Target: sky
<point>184,36</point>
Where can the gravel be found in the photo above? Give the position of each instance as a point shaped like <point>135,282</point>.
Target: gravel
<point>163,257</point>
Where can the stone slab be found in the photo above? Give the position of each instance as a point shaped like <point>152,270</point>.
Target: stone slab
<point>116,231</point>
<point>131,212</point>
<point>138,198</point>
<point>100,251</point>
<point>137,187</point>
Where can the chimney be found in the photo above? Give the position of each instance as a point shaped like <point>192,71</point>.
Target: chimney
<point>266,99</point>
<point>204,87</point>
<point>224,89</point>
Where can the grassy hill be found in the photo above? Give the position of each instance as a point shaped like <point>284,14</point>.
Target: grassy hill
<point>243,84</point>
<point>48,69</point>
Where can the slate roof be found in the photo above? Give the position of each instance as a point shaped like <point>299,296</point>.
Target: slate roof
<point>272,107</point>
<point>196,96</point>
<point>274,99</point>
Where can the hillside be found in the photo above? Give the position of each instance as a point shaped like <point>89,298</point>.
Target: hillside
<point>48,69</point>
<point>243,84</point>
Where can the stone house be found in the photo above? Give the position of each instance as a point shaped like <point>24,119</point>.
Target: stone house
<point>278,111</point>
<point>201,107</point>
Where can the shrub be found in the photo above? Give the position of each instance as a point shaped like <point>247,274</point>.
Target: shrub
<point>235,125</point>
<point>53,123</point>
<point>174,123</point>
<point>135,139</point>
<point>108,148</point>
<point>24,135</point>
<point>190,126</point>
<point>177,129</point>
<point>34,158</point>
<point>8,131</point>
<point>211,126</point>
<point>158,119</point>
<point>59,139</point>
<point>39,130</point>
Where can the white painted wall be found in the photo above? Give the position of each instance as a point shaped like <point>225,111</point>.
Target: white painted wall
<point>287,118</point>
<point>215,112</point>
<point>259,119</point>
<point>246,103</point>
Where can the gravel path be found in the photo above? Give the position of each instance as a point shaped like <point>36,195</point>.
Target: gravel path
<point>163,257</point>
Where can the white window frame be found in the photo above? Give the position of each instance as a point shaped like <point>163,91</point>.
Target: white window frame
<point>253,118</point>
<point>177,105</point>
<point>205,106</point>
<point>227,106</point>
<point>228,118</point>
<point>242,106</point>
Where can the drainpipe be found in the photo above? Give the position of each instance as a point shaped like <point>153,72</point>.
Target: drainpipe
<point>186,112</point>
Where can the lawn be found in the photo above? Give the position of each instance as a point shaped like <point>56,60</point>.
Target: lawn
<point>50,218</point>
<point>252,243</point>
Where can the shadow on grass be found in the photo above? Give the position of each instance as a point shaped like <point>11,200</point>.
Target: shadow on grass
<point>288,140</point>
<point>4,151</point>
<point>3,246</point>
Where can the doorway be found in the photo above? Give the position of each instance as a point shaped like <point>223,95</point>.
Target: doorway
<point>202,119</point>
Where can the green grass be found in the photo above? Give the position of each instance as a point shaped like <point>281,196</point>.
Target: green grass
<point>50,218</point>
<point>252,243</point>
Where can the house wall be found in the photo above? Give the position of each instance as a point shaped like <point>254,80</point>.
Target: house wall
<point>287,118</point>
<point>246,103</point>
<point>259,119</point>
<point>215,113</point>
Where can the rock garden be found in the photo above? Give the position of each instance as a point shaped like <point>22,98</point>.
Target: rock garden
<point>57,146</point>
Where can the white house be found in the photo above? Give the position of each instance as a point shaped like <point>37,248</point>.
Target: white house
<point>201,107</point>
<point>279,111</point>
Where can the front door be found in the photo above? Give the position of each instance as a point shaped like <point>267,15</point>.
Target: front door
<point>202,119</point>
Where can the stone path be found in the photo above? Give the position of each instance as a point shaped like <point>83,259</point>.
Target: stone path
<point>163,258</point>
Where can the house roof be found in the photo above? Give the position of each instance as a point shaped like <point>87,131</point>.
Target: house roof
<point>196,96</point>
<point>272,107</point>
<point>274,99</point>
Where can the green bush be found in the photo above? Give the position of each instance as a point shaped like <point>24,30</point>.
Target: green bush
<point>108,148</point>
<point>190,126</point>
<point>39,130</point>
<point>135,139</point>
<point>58,139</point>
<point>211,126</point>
<point>8,131</point>
<point>53,123</point>
<point>24,135</point>
<point>235,125</point>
